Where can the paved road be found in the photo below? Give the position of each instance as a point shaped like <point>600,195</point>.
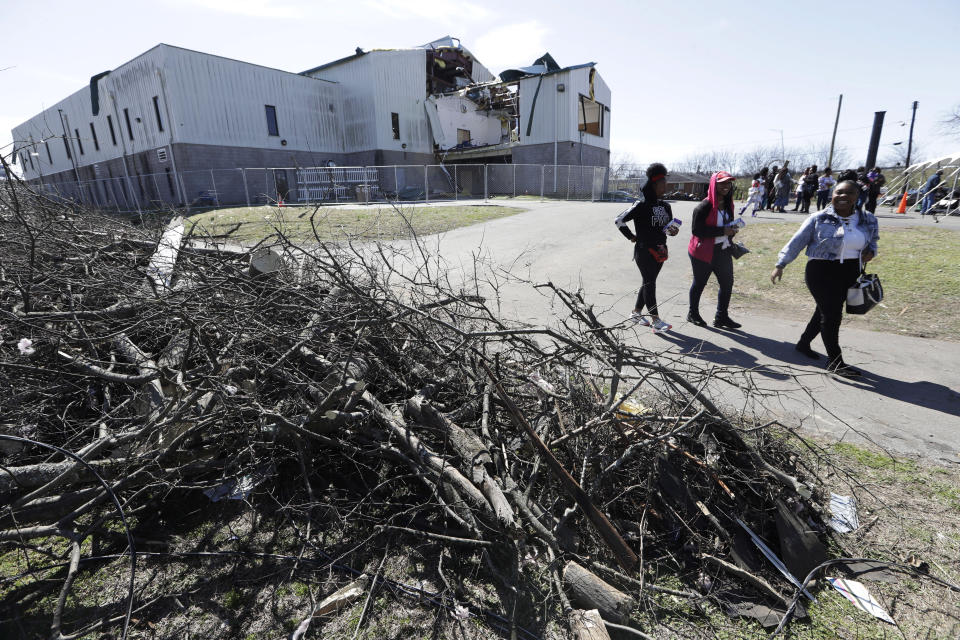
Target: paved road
<point>908,401</point>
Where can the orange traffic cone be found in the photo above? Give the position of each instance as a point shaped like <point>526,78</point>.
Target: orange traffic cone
<point>903,204</point>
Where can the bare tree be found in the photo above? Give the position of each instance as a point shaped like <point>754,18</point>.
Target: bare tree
<point>623,164</point>
<point>752,160</point>
<point>896,156</point>
<point>950,124</point>
<point>706,162</point>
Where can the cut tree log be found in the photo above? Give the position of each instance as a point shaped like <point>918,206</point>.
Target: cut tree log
<point>474,455</point>
<point>591,592</point>
<point>587,625</point>
<point>164,259</point>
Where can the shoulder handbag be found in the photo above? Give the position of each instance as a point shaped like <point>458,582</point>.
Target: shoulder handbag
<point>738,250</point>
<point>865,294</point>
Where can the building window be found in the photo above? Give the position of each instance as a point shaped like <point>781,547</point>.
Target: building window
<point>79,141</point>
<point>272,128</point>
<point>28,156</point>
<point>590,116</point>
<point>49,155</point>
<point>66,145</point>
<point>156,111</point>
<point>113,136</point>
<point>463,135</point>
<point>96,143</point>
<point>126,116</point>
<point>395,124</point>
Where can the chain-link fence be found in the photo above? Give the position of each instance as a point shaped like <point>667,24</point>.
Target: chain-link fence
<point>315,185</point>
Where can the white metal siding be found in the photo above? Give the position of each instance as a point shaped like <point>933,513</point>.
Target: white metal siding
<point>218,101</point>
<point>555,113</point>
<point>375,85</point>
<point>551,111</point>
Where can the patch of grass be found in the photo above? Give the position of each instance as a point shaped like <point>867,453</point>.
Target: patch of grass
<point>918,268</point>
<point>251,224</point>
<point>871,459</point>
<point>233,599</point>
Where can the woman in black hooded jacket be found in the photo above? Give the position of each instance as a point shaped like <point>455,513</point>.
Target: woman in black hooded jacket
<point>651,217</point>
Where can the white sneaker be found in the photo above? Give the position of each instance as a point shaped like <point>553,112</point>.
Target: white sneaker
<point>638,318</point>
<point>660,326</point>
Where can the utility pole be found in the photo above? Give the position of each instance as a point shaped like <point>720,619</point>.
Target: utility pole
<point>875,139</point>
<point>834,138</point>
<point>913,119</point>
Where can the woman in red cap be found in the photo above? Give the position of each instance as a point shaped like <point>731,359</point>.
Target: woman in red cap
<point>710,252</point>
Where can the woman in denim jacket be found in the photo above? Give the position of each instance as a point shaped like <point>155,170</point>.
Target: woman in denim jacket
<point>838,241</point>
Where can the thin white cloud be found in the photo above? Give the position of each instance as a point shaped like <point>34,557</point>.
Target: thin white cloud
<point>426,10</point>
<point>249,8</point>
<point>513,45</point>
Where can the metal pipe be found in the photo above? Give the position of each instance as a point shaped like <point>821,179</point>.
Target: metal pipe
<point>182,197</point>
<point>875,139</point>
<point>68,141</point>
<point>123,148</point>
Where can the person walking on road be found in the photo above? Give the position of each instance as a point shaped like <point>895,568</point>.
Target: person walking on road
<point>754,195</point>
<point>769,182</point>
<point>710,250</point>
<point>929,193</point>
<point>800,184</point>
<point>652,218</point>
<point>838,241</point>
<point>877,180</point>
<point>825,186</point>
<point>783,190</point>
<point>810,182</point>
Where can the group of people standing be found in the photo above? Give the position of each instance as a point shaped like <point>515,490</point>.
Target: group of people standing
<point>838,241</point>
<point>772,189</point>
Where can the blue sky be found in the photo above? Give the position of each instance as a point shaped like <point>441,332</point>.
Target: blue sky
<point>685,76</point>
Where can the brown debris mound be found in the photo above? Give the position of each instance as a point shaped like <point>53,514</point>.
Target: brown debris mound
<point>357,389</point>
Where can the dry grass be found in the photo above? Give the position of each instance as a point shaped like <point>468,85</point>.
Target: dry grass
<point>918,267</point>
<point>374,222</point>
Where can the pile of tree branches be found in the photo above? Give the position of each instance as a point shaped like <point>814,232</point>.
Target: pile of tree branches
<point>363,388</point>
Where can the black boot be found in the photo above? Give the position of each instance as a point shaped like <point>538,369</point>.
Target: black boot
<point>804,348</point>
<point>725,322</point>
<point>694,318</point>
<point>840,368</point>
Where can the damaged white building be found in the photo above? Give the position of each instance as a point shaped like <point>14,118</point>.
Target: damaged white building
<point>171,113</point>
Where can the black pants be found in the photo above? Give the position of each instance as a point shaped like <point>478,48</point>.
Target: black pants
<point>828,281</point>
<point>823,197</point>
<point>649,270</point>
<point>722,267</point>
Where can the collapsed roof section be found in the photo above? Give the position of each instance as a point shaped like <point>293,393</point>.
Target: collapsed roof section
<point>451,66</point>
<point>465,114</point>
